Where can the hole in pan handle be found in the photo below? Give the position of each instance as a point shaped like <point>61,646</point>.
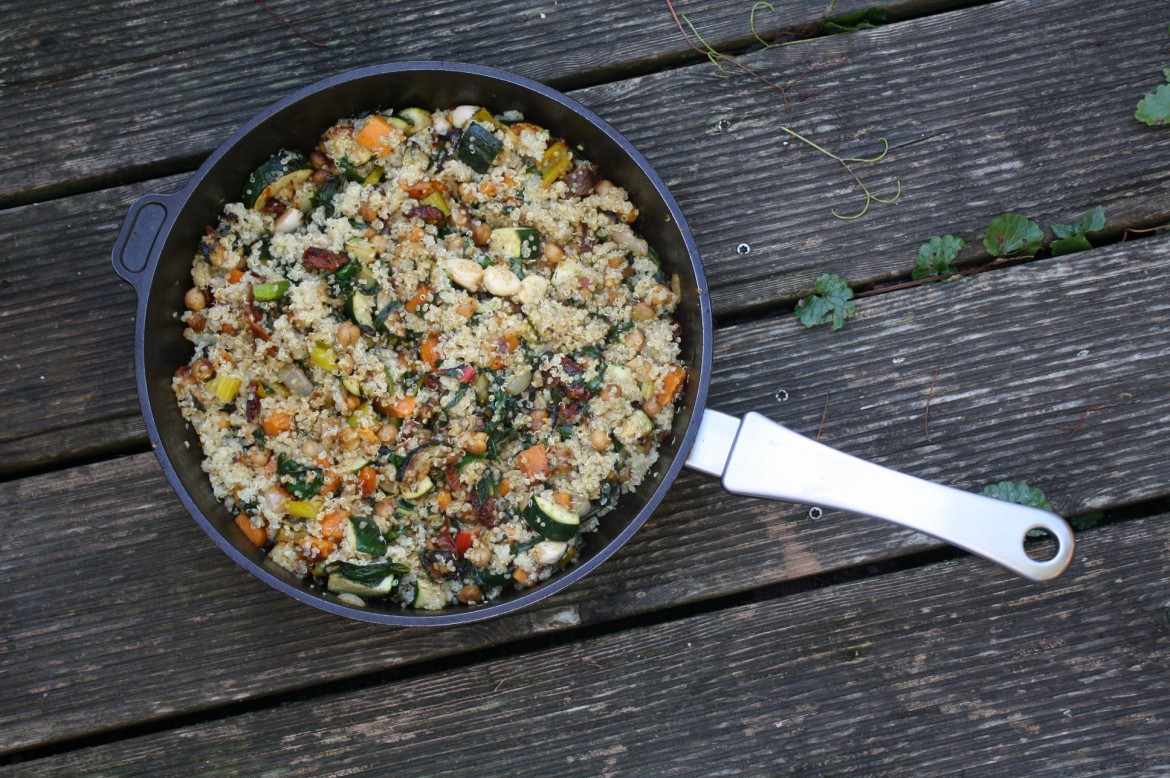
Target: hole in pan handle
<point>760,458</point>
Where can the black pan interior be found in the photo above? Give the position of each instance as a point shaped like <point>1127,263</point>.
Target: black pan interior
<point>297,122</point>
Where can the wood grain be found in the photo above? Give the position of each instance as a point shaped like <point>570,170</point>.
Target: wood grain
<point>184,75</point>
<point>958,169</point>
<point>941,670</point>
<point>94,623</point>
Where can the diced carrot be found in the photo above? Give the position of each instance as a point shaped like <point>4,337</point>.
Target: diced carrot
<point>315,549</point>
<point>671,383</point>
<point>379,136</point>
<point>564,499</point>
<point>257,535</point>
<point>439,186</point>
<point>508,343</point>
<point>488,188</point>
<point>420,298</point>
<point>416,234</point>
<point>509,182</point>
<point>276,422</point>
<point>520,576</point>
<point>504,488</point>
<point>333,524</point>
<point>367,481</point>
<point>519,127</point>
<point>403,407</point>
<point>443,499</point>
<point>418,190</point>
<point>235,275</point>
<point>332,482</point>
<point>533,461</point>
<point>367,434</point>
<point>429,350</point>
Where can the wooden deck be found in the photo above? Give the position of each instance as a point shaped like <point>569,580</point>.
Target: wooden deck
<point>731,636</point>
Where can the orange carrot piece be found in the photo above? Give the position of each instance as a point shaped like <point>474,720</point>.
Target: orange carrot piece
<point>235,275</point>
<point>420,298</point>
<point>403,407</point>
<point>418,190</point>
<point>333,524</point>
<point>520,576</point>
<point>276,422</point>
<point>533,461</point>
<point>429,350</point>
<point>505,487</point>
<point>564,499</point>
<point>379,136</point>
<point>367,480</point>
<point>315,549</point>
<point>257,535</point>
<point>416,235</point>
<point>443,499</point>
<point>671,383</point>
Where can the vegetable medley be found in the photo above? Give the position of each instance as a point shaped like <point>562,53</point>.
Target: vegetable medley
<point>428,355</point>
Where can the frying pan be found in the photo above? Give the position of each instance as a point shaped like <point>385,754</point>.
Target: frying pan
<point>753,456</point>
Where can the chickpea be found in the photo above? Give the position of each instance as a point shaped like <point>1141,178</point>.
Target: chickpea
<point>470,593</point>
<point>476,443</point>
<point>196,322</point>
<point>604,187</point>
<point>311,448</point>
<point>203,369</point>
<point>468,193</point>
<point>384,509</point>
<point>387,434</point>
<point>259,457</point>
<point>660,295</point>
<point>635,340</point>
<point>318,160</point>
<point>349,438</point>
<point>600,439</point>
<point>460,216</point>
<point>642,312</point>
<point>651,407</point>
<point>478,555</point>
<point>553,253</point>
<point>195,300</point>
<point>345,364</point>
<point>352,402</point>
<point>320,176</point>
<point>466,307</point>
<point>537,419</point>
<point>480,233</point>
<point>348,334</point>
<point>367,211</point>
<point>611,392</point>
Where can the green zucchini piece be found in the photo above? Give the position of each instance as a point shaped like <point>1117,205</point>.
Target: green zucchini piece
<point>282,169</point>
<point>515,243</point>
<point>478,147</point>
<point>367,580</point>
<point>428,595</point>
<point>420,489</point>
<point>364,537</point>
<point>416,119</point>
<point>553,521</point>
<point>361,309</point>
<point>273,290</point>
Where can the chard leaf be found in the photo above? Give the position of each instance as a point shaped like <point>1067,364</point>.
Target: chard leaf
<point>936,255</point>
<point>828,304</point>
<point>1154,108</point>
<point>1010,233</point>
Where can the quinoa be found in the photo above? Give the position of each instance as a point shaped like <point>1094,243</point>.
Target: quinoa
<point>428,356</point>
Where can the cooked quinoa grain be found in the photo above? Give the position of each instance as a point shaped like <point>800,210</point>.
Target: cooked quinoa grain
<point>428,355</point>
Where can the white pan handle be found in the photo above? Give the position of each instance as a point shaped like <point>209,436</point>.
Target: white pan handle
<point>770,461</point>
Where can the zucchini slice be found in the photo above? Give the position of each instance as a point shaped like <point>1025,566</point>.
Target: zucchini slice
<point>420,489</point>
<point>415,119</point>
<point>364,537</point>
<point>515,243</point>
<point>361,309</point>
<point>553,521</point>
<point>478,147</point>
<point>366,580</point>
<point>428,595</point>
<point>284,168</point>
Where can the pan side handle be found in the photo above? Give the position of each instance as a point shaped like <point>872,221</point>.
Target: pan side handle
<point>137,238</point>
<point>770,461</point>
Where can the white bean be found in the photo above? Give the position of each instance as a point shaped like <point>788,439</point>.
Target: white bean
<point>501,281</point>
<point>288,221</point>
<point>462,115</point>
<point>465,273</point>
<point>548,552</point>
<point>532,289</point>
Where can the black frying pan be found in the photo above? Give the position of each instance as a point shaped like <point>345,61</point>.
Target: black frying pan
<point>157,242</point>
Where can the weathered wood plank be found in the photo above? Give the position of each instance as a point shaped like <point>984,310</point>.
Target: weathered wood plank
<point>122,57</point>
<point>940,670</point>
<point>94,621</point>
<point>958,169</point>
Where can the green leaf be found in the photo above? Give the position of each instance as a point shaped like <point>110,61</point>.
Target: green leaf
<point>1166,73</point>
<point>1010,233</point>
<point>1093,220</point>
<point>828,304</point>
<point>864,19</point>
<point>1066,230</point>
<point>936,255</point>
<point>1086,520</point>
<point>1019,493</point>
<point>1154,108</point>
<point>1070,245</point>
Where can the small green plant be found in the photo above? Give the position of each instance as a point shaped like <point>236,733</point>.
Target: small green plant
<point>1154,108</point>
<point>1070,238</point>
<point>1019,493</point>
<point>1010,234</point>
<point>936,255</point>
<point>830,303</point>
